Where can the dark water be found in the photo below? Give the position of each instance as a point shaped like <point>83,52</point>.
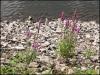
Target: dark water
<point>12,10</point>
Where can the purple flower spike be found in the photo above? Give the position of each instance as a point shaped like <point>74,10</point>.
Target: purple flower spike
<point>76,29</point>
<point>35,45</point>
<point>62,16</point>
<point>28,34</point>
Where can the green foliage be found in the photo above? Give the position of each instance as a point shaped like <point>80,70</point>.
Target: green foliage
<point>86,72</point>
<point>18,64</point>
<point>23,57</point>
<point>88,53</point>
<point>67,46</point>
<point>7,69</point>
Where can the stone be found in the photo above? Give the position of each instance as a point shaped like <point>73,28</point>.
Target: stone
<point>46,72</point>
<point>94,58</point>
<point>43,50</point>
<point>2,59</point>
<point>14,39</point>
<point>33,65</point>
<point>70,71</point>
<point>87,35</point>
<point>83,68</point>
<point>58,29</point>
<point>45,44</point>
<point>19,47</point>
<point>4,43</point>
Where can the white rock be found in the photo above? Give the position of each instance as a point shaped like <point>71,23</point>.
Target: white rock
<point>4,43</point>
<point>83,68</point>
<point>58,29</point>
<point>3,37</point>
<point>46,43</point>
<point>94,43</point>
<point>33,64</point>
<point>44,58</point>
<point>43,49</point>
<point>93,22</point>
<point>19,47</point>
<point>70,71</point>
<point>46,72</point>
<point>14,39</point>
<point>87,35</point>
<point>95,57</point>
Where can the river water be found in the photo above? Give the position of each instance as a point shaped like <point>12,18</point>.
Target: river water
<point>12,10</point>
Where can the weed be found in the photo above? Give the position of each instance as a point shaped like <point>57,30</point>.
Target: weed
<point>24,57</point>
<point>88,53</point>
<point>19,63</point>
<point>67,46</point>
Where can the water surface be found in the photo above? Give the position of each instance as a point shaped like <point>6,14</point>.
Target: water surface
<point>12,10</point>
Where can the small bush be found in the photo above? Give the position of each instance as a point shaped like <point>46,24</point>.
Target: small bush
<point>23,57</point>
<point>18,64</point>
<point>67,46</point>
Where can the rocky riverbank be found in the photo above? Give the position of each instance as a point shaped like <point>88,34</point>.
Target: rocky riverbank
<point>18,36</point>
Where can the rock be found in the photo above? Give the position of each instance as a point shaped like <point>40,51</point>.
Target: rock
<point>87,35</point>
<point>47,72</point>
<point>83,68</point>
<point>94,43</point>
<point>2,60</point>
<point>43,50</point>
<point>45,34</point>
<point>94,58</point>
<point>70,71</point>
<point>4,43</point>
<point>45,44</point>
<point>19,47</point>
<point>3,37</point>
<point>33,65</point>
<point>14,39</point>
<point>58,29</point>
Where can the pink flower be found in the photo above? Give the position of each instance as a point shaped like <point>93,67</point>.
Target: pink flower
<point>28,34</point>
<point>76,29</point>
<point>35,45</point>
<point>62,16</point>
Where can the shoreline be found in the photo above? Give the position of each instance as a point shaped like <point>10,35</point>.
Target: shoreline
<point>14,35</point>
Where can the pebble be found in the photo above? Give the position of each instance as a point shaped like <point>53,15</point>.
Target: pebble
<point>19,47</point>
<point>83,68</point>
<point>87,35</point>
<point>33,65</point>
<point>46,43</point>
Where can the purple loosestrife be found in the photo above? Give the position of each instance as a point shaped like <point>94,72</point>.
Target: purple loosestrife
<point>74,18</point>
<point>36,45</point>
<point>62,16</point>
<point>28,34</point>
<point>77,29</point>
<point>67,23</point>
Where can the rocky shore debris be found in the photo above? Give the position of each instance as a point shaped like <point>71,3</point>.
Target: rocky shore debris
<point>15,36</point>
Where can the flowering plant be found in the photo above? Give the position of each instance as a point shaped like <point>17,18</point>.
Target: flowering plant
<point>66,45</point>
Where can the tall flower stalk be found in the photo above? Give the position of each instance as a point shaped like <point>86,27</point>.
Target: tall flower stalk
<point>68,41</point>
